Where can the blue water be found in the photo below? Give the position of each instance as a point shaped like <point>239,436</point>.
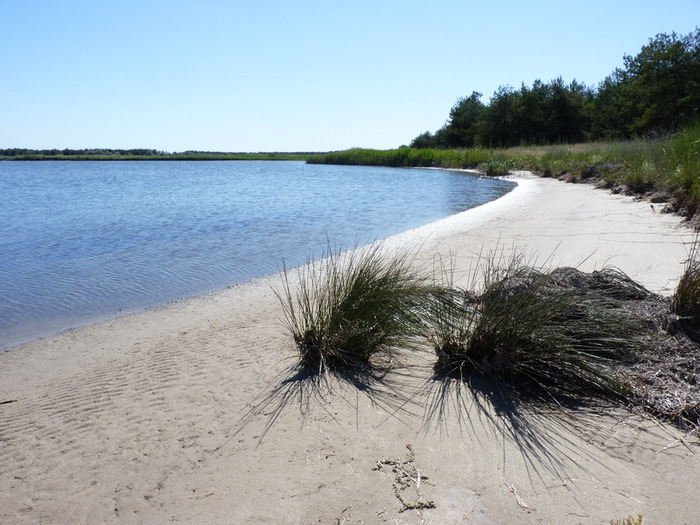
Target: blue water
<point>82,241</point>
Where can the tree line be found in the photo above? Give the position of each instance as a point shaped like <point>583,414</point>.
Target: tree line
<point>656,92</point>
<point>141,152</point>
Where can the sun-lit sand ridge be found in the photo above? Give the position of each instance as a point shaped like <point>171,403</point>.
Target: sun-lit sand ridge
<point>134,420</point>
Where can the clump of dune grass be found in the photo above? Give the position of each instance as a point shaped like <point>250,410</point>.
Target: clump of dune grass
<point>686,299</point>
<point>350,315</point>
<point>355,310</point>
<point>540,331</point>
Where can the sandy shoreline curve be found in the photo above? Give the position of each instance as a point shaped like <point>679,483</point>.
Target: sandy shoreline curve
<point>134,420</point>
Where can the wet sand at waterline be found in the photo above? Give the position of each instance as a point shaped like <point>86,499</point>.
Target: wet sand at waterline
<point>137,419</point>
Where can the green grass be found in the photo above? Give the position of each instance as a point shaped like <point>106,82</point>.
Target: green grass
<point>409,157</point>
<point>669,166</point>
<point>495,167</point>
<point>350,317</point>
<point>544,332</point>
<point>354,311</point>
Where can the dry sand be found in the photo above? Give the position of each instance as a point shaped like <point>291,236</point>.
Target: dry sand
<point>136,420</point>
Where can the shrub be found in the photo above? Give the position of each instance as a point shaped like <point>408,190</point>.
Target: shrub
<point>496,167</point>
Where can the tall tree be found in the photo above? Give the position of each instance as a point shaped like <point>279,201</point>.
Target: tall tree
<point>566,112</point>
<point>460,131</point>
<point>665,81</point>
<point>424,140</point>
<point>614,108</point>
<point>530,108</point>
<point>497,129</point>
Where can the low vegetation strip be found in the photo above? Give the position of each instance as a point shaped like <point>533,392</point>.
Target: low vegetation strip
<point>140,154</point>
<point>663,169</point>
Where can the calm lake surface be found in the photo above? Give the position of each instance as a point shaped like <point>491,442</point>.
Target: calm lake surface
<point>83,241</point>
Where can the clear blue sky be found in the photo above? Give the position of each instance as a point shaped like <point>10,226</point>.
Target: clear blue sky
<point>273,75</point>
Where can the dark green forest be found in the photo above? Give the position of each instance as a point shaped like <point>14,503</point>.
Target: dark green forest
<point>656,92</point>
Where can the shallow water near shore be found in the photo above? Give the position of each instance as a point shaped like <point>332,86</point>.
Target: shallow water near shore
<point>83,241</point>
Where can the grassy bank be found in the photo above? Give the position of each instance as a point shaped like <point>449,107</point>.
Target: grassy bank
<point>667,168</point>
<point>410,157</point>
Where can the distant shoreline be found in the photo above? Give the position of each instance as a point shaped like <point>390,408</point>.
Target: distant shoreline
<point>164,157</point>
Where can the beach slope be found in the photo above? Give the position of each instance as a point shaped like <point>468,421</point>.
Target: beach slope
<point>138,419</point>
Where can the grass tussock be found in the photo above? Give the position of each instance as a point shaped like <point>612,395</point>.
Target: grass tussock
<point>540,331</point>
<point>354,311</point>
<point>528,337</point>
<point>496,167</point>
<point>350,316</point>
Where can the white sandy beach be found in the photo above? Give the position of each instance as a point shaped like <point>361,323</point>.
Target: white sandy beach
<point>134,420</point>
